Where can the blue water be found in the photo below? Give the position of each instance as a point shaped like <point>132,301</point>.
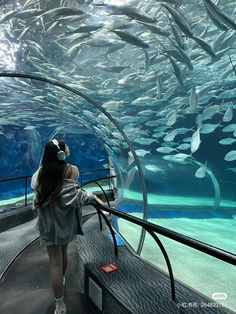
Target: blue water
<point>87,153</point>
<point>169,214</point>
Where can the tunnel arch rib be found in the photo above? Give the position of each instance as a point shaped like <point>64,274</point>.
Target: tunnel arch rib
<point>94,103</point>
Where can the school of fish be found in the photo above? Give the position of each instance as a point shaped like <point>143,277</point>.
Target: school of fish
<point>165,71</point>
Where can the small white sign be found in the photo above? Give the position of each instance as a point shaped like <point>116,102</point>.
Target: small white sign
<point>95,293</point>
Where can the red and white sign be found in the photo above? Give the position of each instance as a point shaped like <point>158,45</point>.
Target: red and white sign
<point>109,268</point>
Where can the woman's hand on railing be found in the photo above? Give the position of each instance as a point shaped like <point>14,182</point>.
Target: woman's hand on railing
<point>99,201</point>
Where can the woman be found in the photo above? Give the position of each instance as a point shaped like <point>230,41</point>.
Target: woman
<point>58,200</point>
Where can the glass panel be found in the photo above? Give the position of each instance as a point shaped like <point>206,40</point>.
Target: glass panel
<point>129,231</point>
<point>12,194</point>
<point>93,187</point>
<point>196,269</point>
<point>217,228</point>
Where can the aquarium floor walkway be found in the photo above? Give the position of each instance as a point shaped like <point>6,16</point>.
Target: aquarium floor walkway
<point>16,239</point>
<point>26,287</point>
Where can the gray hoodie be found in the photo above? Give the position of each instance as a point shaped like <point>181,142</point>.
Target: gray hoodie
<point>60,221</point>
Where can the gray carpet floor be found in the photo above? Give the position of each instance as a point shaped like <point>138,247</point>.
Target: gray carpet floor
<point>13,241</point>
<point>26,288</point>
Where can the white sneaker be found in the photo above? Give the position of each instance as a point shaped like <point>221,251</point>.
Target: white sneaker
<point>60,306</point>
<point>60,312</point>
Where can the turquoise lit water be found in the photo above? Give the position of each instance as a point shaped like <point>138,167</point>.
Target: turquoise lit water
<point>178,201</point>
<point>192,217</point>
<point>193,268</point>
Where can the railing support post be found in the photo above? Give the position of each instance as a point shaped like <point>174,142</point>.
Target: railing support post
<point>110,228</point>
<point>26,183</point>
<point>81,179</point>
<point>172,281</point>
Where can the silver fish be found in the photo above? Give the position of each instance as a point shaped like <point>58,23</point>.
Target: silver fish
<point>179,20</point>
<point>214,17</point>
<point>144,141</point>
<point>227,141</point>
<point>135,14</point>
<point>131,39</point>
<point>171,118</point>
<point>165,150</point>
<point>193,100</point>
<point>230,128</point>
<point>223,17</point>
<point>218,40</point>
<point>196,141</point>
<point>228,116</point>
<point>183,146</point>
<point>28,14</point>
<point>86,29</point>
<point>24,33</point>
<point>73,51</point>
<point>175,66</point>
<point>182,56</point>
<point>179,158</point>
<point>170,136</point>
<point>140,152</point>
<point>201,172</point>
<point>153,168</point>
<point>205,46</point>
<point>7,16</point>
<point>230,156</point>
<point>178,38</point>
<point>27,3</point>
<point>156,29</point>
<point>208,128</point>
<point>60,12</point>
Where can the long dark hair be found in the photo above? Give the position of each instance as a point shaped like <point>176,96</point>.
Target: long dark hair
<point>51,173</point>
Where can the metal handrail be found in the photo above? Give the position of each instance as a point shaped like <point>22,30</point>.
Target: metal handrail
<point>23,177</point>
<point>105,194</point>
<point>103,178</point>
<point>84,171</point>
<point>151,232</point>
<point>96,170</point>
<point>26,184</point>
<point>100,213</point>
<point>26,181</point>
<point>16,178</point>
<point>151,228</point>
<point>99,185</point>
<point>195,244</point>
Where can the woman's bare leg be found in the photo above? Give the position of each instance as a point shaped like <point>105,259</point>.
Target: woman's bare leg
<point>56,265</point>
<point>64,258</point>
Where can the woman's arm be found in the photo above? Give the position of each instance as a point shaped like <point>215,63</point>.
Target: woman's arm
<point>86,198</point>
<point>34,180</point>
<point>74,173</point>
<point>99,200</point>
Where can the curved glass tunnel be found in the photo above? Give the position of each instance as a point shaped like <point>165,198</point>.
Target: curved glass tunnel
<point>164,83</point>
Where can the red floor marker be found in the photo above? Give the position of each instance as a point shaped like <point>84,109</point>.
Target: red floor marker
<point>109,268</point>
